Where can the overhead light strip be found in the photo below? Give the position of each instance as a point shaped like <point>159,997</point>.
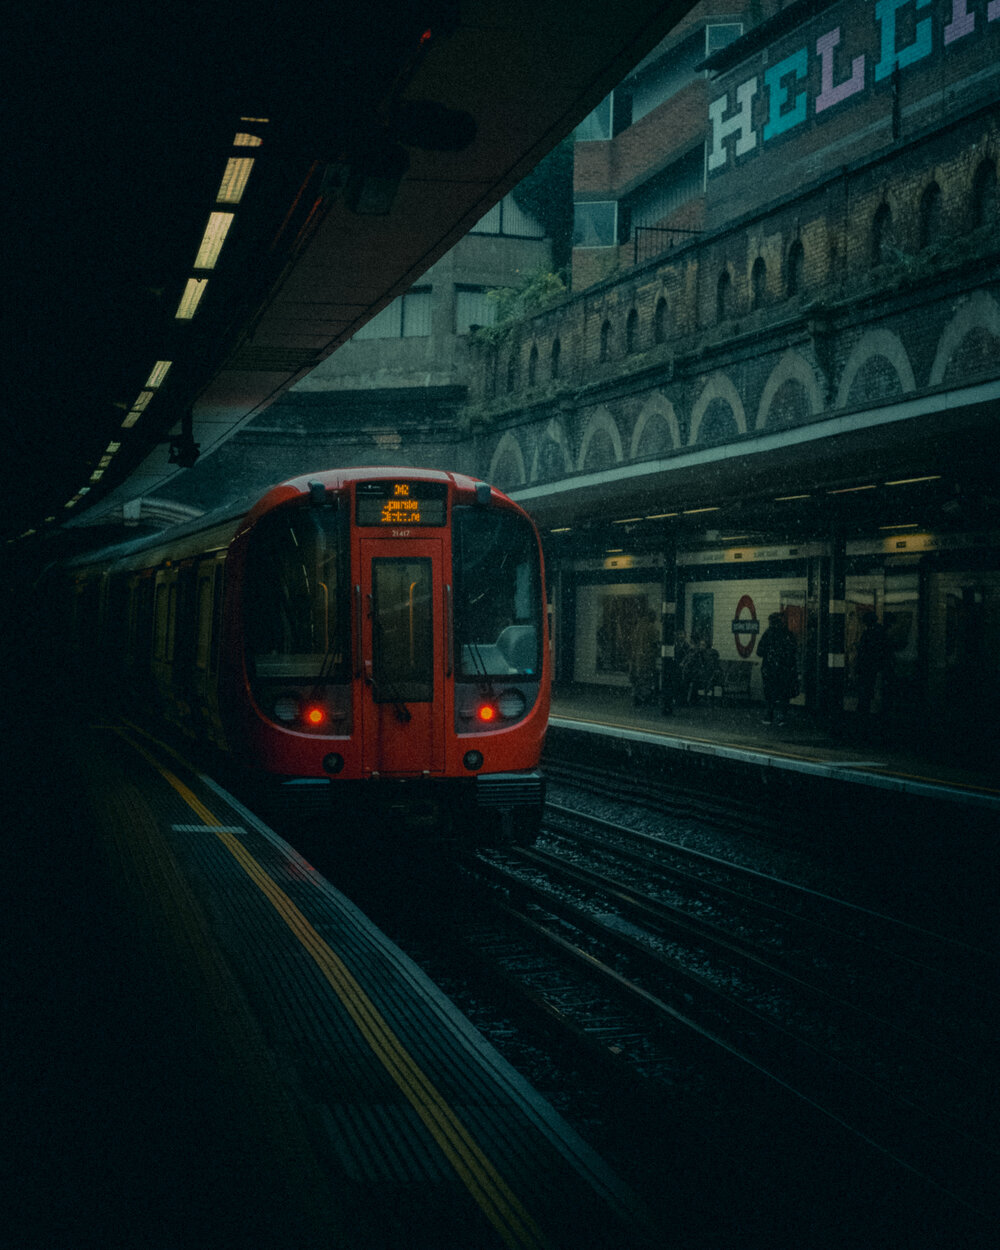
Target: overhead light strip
<point>905,481</point>
<point>193,292</point>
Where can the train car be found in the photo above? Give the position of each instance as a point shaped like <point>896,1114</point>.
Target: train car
<point>372,638</point>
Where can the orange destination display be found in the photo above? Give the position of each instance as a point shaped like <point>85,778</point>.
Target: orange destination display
<point>398,503</point>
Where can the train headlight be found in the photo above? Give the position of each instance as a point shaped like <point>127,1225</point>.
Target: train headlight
<point>511,704</point>
<point>286,709</point>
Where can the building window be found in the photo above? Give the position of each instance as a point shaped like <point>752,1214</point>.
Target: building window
<point>605,341</point>
<point>758,282</point>
<point>595,223</point>
<point>533,365</point>
<point>512,363</point>
<point>724,297</point>
<point>473,307</point>
<point>596,125</point>
<point>508,218</point>
<point>556,354</point>
<point>930,215</point>
<point>409,316</point>
<point>984,195</point>
<point>632,333</point>
<point>796,263</point>
<point>660,321</point>
<point>881,234</point>
<point>721,35</point>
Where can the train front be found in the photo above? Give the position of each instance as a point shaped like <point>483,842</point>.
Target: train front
<point>388,651</point>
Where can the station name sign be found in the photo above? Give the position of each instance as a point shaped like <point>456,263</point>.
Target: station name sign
<point>399,503</point>
<point>839,66</point>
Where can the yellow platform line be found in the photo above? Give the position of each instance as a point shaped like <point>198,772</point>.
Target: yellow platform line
<point>491,1192</point>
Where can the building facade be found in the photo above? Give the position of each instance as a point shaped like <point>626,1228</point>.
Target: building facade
<point>796,409</point>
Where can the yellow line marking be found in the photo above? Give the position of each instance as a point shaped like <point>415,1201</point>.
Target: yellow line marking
<point>476,1171</point>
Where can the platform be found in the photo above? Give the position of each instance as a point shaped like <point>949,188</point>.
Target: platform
<point>207,1044</point>
<point>859,754</point>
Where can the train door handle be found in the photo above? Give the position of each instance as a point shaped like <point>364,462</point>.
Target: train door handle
<point>359,622</point>
<point>449,659</point>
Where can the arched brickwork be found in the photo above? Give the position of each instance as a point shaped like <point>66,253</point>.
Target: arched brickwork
<point>881,360</point>
<point>601,445</point>
<point>507,466</point>
<point>970,339</point>
<point>552,457</point>
<point>718,392</point>
<point>792,393</point>
<point>657,430</point>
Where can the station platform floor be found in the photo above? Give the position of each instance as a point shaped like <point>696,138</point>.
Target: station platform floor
<point>205,1044</point>
<point>867,753</point>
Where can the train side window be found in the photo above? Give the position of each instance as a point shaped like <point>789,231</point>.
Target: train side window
<point>160,622</point>
<point>203,646</point>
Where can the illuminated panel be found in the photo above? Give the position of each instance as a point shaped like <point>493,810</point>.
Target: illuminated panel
<point>160,371</point>
<point>191,298</point>
<point>401,503</point>
<point>234,180</point>
<point>212,240</point>
<point>247,141</point>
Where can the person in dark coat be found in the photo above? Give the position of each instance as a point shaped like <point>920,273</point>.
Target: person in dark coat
<point>871,659</point>
<point>778,667</point>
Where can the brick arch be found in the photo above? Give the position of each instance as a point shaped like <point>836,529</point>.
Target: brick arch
<point>552,453</point>
<point>507,466</point>
<point>718,387</point>
<point>792,367</point>
<point>657,410</point>
<point>979,315</point>
<point>601,423</point>
<point>873,345</point>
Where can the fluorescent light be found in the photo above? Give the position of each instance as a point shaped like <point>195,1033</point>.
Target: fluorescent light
<point>660,516</point>
<point>905,481</point>
<point>614,551</point>
<point>160,371</point>
<point>849,490</point>
<point>563,529</point>
<point>260,121</point>
<point>142,401</point>
<point>692,511</point>
<point>628,520</point>
<point>104,461</point>
<point>784,498</point>
<point>130,420</point>
<point>213,239</point>
<point>193,292</point>
<point>112,448</point>
<point>247,141</point>
<point>909,525</point>
<point>97,475</point>
<point>234,180</point>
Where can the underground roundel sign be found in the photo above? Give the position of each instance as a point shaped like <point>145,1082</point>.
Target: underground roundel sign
<point>746,627</point>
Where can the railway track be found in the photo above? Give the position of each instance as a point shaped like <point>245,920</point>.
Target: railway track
<point>707,1005</point>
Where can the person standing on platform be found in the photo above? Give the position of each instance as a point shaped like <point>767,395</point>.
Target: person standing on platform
<point>645,648</point>
<point>778,667</point>
<point>872,660</point>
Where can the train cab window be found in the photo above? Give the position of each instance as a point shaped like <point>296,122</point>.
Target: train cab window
<point>498,600</point>
<point>295,598</point>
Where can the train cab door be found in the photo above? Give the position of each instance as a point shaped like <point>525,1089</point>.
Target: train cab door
<point>400,621</point>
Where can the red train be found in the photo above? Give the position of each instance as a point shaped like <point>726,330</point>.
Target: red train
<point>374,634</point>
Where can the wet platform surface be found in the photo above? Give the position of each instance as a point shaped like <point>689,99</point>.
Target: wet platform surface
<point>864,752</point>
